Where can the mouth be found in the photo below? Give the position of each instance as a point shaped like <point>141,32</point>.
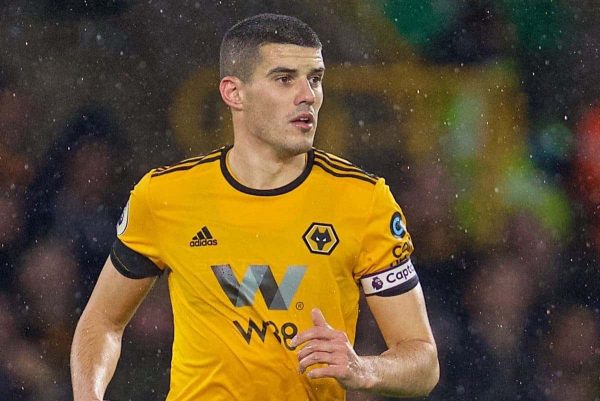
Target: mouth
<point>304,121</point>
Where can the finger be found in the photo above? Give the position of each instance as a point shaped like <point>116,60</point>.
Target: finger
<point>335,372</point>
<point>318,318</point>
<point>320,346</point>
<point>314,333</point>
<point>319,358</point>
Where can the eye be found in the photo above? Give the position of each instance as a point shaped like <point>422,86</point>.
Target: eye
<point>286,79</point>
<point>316,80</point>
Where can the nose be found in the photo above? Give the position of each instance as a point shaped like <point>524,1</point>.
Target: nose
<point>306,93</point>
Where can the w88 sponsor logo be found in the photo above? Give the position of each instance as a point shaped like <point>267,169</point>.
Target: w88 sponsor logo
<point>277,296</point>
<point>282,334</point>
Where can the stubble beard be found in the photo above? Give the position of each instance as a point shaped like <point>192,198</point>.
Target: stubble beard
<point>286,144</point>
<point>294,147</point>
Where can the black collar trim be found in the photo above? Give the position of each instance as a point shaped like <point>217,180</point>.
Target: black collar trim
<point>266,192</point>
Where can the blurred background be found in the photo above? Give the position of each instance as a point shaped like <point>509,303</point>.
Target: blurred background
<point>484,116</point>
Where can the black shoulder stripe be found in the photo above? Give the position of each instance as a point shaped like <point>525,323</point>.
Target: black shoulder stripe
<point>212,153</point>
<point>340,163</point>
<point>187,166</point>
<point>348,168</point>
<point>332,157</point>
<point>190,161</point>
<point>132,264</point>
<point>186,161</point>
<point>358,175</point>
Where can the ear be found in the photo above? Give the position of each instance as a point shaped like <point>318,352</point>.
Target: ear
<point>230,92</point>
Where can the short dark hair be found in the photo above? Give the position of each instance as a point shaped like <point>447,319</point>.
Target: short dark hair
<point>241,43</point>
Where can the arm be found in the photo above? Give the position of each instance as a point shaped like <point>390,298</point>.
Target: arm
<point>97,340</point>
<point>409,367</point>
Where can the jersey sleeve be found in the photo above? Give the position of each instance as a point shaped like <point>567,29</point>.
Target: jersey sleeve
<point>384,267</point>
<point>135,253</point>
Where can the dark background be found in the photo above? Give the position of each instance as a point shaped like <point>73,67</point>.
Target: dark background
<point>482,115</point>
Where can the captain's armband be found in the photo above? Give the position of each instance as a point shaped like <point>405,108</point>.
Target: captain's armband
<point>401,277</point>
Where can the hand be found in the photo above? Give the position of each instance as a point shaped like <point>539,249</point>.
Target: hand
<point>325,345</point>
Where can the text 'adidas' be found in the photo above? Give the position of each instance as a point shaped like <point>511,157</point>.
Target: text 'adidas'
<point>203,238</point>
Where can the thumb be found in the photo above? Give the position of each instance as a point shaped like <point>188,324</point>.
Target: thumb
<point>318,318</point>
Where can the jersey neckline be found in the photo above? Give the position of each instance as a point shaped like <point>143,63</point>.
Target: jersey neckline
<point>265,192</point>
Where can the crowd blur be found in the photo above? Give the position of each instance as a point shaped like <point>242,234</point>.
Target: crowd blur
<point>484,117</point>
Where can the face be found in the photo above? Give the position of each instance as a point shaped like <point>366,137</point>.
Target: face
<point>282,99</point>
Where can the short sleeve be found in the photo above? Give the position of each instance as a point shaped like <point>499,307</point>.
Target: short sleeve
<point>384,266</point>
<point>136,252</point>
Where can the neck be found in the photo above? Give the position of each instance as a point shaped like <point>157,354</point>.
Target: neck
<point>264,168</point>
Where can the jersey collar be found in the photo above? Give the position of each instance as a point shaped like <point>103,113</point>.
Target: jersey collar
<point>265,192</point>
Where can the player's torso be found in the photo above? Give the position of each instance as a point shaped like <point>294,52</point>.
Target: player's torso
<point>246,270</point>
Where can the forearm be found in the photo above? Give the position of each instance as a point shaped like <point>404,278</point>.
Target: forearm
<point>94,355</point>
<point>410,369</point>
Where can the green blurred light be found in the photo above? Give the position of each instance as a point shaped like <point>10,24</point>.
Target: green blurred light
<point>527,188</point>
<point>541,24</point>
<point>420,20</point>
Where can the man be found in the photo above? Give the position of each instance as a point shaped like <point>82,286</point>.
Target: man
<point>266,244</point>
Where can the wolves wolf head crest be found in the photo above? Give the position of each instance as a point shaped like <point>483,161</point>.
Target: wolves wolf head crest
<point>321,238</point>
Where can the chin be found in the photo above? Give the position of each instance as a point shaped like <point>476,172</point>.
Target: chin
<point>298,147</point>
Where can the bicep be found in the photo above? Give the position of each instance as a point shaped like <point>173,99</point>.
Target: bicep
<point>402,317</point>
<point>115,297</point>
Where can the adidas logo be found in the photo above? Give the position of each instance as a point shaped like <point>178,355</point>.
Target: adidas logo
<point>203,238</point>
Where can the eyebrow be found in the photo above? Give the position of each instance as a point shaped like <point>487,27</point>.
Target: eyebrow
<point>293,71</point>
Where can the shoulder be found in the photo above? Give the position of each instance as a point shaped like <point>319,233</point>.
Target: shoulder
<point>181,177</point>
<point>342,169</point>
<point>197,163</point>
